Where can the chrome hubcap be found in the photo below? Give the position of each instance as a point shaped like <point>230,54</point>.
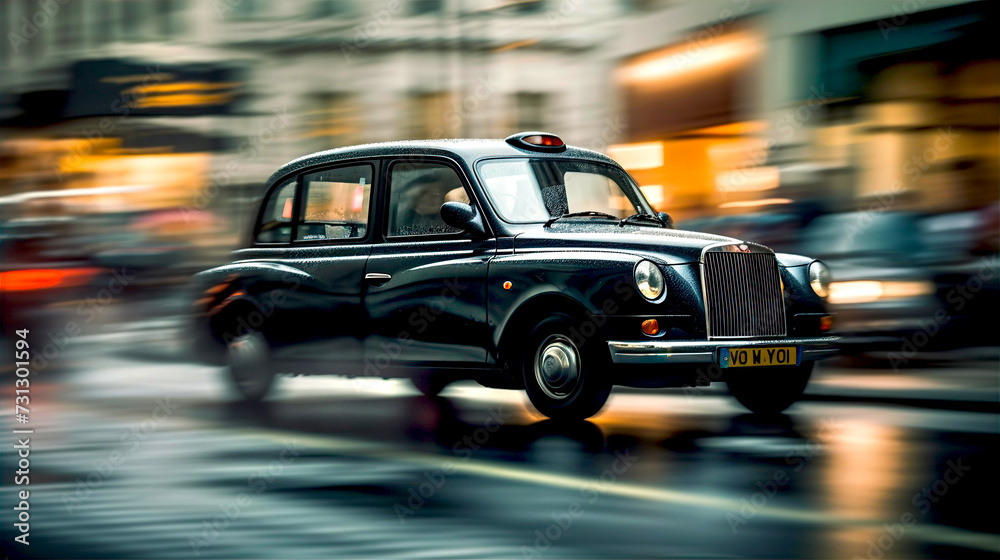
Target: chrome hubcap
<point>557,367</point>
<point>248,359</point>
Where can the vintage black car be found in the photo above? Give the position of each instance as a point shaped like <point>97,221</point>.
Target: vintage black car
<point>521,263</point>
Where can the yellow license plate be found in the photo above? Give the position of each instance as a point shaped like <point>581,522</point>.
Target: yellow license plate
<point>750,357</point>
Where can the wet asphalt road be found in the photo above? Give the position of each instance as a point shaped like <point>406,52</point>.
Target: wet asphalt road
<point>137,458</point>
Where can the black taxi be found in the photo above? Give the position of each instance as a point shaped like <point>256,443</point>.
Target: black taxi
<point>521,263</point>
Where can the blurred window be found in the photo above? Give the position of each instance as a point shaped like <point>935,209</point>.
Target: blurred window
<point>416,193</point>
<point>431,115</point>
<point>531,110</point>
<point>22,10</point>
<point>5,30</point>
<point>330,8</point>
<point>336,203</point>
<point>425,7</point>
<point>276,221</point>
<point>106,13</point>
<point>168,15</point>
<point>245,9</point>
<point>893,236</point>
<point>133,20</point>
<point>335,120</point>
<point>641,6</point>
<point>71,25</point>
<point>531,191</point>
<point>529,7</point>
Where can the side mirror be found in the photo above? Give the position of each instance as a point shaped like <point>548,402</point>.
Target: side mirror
<point>464,217</point>
<point>666,219</point>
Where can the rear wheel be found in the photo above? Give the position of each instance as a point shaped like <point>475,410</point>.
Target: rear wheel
<point>250,370</point>
<point>564,380</point>
<point>769,390</point>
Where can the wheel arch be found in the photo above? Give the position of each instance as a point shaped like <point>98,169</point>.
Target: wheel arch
<point>530,312</point>
<point>226,294</point>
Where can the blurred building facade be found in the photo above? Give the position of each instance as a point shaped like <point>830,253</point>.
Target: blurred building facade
<point>717,108</point>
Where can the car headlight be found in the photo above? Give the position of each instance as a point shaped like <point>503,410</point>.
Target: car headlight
<point>864,291</point>
<point>819,279</point>
<point>649,280</point>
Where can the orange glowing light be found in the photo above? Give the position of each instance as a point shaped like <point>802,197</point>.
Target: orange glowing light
<point>682,60</point>
<point>44,278</point>
<point>507,285</point>
<point>651,326</point>
<point>825,323</point>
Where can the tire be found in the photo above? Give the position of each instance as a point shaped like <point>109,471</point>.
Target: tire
<point>430,384</point>
<point>250,370</point>
<point>769,390</point>
<point>564,380</point>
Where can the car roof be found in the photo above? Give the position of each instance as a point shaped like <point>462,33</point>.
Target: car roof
<point>466,149</point>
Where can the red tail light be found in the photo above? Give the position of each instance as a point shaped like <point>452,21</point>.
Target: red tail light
<point>44,278</point>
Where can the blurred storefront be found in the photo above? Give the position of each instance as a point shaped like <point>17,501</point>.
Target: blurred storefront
<point>690,109</point>
<point>126,145</point>
<point>916,115</point>
<point>721,109</point>
<point>785,109</point>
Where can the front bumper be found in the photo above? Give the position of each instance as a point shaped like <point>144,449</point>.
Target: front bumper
<point>707,351</point>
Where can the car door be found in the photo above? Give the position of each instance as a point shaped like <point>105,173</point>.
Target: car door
<point>321,322</point>
<point>426,292</point>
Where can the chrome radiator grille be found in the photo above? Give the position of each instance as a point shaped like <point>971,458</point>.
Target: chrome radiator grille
<point>742,294</point>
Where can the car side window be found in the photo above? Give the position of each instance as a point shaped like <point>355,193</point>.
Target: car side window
<point>416,193</point>
<point>276,220</point>
<point>336,203</point>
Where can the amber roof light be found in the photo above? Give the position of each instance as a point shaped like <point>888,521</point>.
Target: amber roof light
<point>538,141</point>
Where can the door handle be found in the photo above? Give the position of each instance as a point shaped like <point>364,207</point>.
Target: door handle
<point>377,278</point>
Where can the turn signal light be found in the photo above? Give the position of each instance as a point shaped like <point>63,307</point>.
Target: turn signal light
<point>825,322</point>
<point>651,326</point>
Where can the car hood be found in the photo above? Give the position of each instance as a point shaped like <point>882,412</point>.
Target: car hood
<point>671,245</point>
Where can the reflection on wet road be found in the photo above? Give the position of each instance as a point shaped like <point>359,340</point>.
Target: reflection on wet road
<point>138,459</point>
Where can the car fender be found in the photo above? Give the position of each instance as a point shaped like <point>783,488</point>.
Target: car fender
<point>258,285</point>
<point>598,284</point>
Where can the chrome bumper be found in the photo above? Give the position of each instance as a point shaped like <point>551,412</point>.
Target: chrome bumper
<point>707,351</point>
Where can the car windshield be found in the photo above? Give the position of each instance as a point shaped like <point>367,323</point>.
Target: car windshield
<point>536,190</point>
<point>857,234</point>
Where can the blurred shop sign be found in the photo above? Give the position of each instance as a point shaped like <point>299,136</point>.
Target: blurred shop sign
<point>120,88</point>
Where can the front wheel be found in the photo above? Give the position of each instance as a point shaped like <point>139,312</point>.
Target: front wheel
<point>769,390</point>
<point>565,379</point>
<point>250,370</point>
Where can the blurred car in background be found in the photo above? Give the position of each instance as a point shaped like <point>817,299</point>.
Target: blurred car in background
<point>41,271</point>
<point>65,269</point>
<point>881,291</point>
<point>962,256</point>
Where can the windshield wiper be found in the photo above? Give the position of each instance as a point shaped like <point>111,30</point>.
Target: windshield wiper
<point>642,216</point>
<point>587,213</point>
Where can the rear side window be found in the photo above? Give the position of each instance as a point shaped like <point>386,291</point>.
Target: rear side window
<point>416,193</point>
<point>336,203</point>
<point>276,221</point>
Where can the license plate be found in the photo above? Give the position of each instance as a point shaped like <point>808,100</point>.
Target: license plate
<point>750,357</point>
